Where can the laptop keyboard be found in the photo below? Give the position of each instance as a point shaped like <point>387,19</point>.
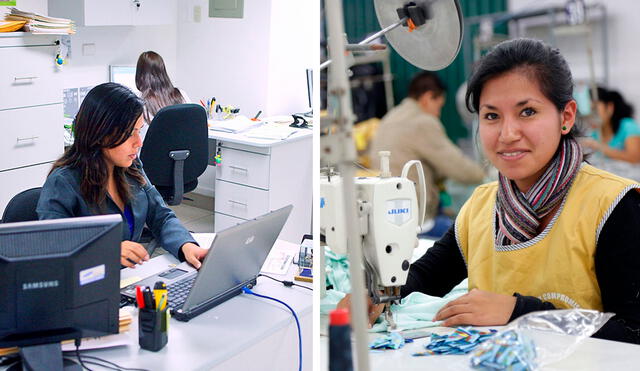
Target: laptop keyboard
<point>179,291</point>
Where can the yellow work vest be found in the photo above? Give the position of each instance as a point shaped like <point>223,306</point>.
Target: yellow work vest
<point>558,265</point>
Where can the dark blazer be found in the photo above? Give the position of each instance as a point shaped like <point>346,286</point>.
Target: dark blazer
<point>61,198</point>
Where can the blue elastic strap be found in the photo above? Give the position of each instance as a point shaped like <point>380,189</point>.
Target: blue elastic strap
<point>246,290</point>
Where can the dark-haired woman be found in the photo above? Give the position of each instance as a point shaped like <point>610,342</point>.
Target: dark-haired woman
<point>552,232</point>
<point>99,174</point>
<point>155,86</point>
<point>619,135</point>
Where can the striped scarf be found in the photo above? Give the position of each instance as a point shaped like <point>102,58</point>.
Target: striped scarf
<point>519,213</point>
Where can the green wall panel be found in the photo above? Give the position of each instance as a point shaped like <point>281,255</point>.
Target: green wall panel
<point>360,21</point>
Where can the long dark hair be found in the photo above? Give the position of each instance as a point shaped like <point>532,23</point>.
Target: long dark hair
<point>153,82</point>
<point>537,60</point>
<point>621,109</point>
<point>106,119</point>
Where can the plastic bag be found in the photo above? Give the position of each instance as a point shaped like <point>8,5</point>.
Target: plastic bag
<point>538,339</point>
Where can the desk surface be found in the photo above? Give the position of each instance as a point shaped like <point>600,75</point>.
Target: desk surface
<point>242,139</point>
<point>591,354</point>
<point>222,332</point>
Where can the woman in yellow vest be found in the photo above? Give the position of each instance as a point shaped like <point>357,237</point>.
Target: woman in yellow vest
<point>553,231</point>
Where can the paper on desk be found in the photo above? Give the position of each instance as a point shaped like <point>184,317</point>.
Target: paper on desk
<point>237,124</point>
<point>271,131</point>
<point>110,341</point>
<point>279,260</point>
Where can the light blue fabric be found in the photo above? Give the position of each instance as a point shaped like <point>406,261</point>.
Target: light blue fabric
<point>337,270</point>
<point>628,128</point>
<point>417,309</point>
<point>414,311</point>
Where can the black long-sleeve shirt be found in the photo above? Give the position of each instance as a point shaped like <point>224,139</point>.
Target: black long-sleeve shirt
<point>617,262</point>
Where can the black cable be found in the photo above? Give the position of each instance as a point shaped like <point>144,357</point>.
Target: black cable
<point>114,364</point>
<point>102,365</point>
<point>77,342</point>
<point>286,283</point>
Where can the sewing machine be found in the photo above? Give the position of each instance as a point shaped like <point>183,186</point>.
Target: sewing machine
<point>389,217</point>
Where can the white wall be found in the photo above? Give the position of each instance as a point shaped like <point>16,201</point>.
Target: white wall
<point>624,53</point>
<point>119,45</point>
<point>256,63</point>
<point>291,50</point>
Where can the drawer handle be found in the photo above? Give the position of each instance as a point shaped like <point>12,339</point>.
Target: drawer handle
<point>18,140</point>
<point>237,203</point>
<point>16,79</point>
<point>239,168</point>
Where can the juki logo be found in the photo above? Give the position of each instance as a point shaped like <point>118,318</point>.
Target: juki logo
<point>404,210</point>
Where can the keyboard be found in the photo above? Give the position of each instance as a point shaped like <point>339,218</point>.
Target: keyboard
<point>179,291</point>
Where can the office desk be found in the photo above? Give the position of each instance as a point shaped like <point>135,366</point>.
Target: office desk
<point>258,175</point>
<point>592,354</point>
<point>244,333</point>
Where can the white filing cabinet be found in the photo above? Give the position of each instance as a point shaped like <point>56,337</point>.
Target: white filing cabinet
<point>254,179</point>
<point>115,12</point>
<point>30,112</point>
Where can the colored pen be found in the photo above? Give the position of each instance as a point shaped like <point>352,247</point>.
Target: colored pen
<point>148,298</point>
<point>159,289</point>
<point>139,298</point>
<point>257,115</point>
<point>201,102</point>
<point>162,303</point>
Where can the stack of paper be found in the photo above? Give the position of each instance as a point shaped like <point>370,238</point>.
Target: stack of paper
<point>11,26</point>
<point>271,131</point>
<point>237,124</point>
<point>40,24</point>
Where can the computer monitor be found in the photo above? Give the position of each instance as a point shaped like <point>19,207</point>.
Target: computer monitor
<point>310,90</point>
<point>59,280</point>
<point>124,75</point>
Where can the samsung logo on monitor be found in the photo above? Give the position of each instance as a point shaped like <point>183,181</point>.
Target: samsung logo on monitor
<point>40,285</point>
<point>404,210</point>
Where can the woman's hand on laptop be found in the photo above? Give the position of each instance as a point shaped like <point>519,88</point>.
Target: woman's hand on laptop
<point>193,254</point>
<point>132,253</point>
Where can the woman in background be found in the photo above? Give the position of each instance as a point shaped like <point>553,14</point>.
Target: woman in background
<point>155,86</point>
<point>619,135</point>
<point>99,175</point>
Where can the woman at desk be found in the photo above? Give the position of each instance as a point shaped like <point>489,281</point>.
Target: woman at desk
<point>619,136</point>
<point>553,231</point>
<point>155,86</point>
<point>99,174</point>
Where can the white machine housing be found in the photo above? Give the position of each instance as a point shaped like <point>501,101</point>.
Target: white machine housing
<point>332,222</point>
<point>389,218</point>
<point>390,207</point>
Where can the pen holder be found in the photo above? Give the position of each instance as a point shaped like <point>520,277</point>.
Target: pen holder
<point>152,329</point>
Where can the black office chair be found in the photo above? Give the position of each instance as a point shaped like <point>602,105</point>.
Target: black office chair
<point>175,150</point>
<point>22,207</point>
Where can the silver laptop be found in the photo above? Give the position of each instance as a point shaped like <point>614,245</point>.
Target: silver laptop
<point>234,261</point>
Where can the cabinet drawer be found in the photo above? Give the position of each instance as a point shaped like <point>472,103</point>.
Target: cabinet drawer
<point>29,76</point>
<point>31,135</point>
<point>13,182</point>
<point>240,201</point>
<point>244,167</point>
<point>223,222</point>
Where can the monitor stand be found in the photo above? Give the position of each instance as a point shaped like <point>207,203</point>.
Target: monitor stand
<point>43,357</point>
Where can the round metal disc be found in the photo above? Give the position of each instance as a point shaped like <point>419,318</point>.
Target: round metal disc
<point>432,46</point>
